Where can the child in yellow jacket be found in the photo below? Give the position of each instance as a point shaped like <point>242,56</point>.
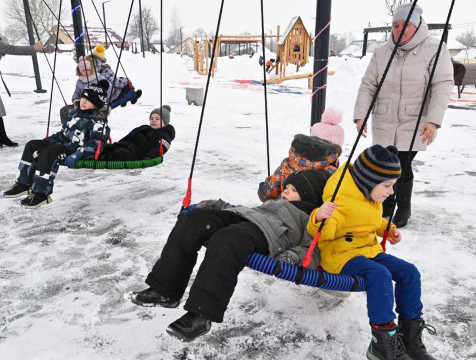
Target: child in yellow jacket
<point>348,245</point>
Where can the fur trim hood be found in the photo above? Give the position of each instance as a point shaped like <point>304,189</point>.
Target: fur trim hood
<point>313,148</point>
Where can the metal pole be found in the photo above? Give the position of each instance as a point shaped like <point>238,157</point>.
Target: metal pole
<point>31,38</point>
<point>78,28</point>
<point>141,30</point>
<point>364,43</point>
<point>104,21</point>
<point>181,45</point>
<point>321,54</point>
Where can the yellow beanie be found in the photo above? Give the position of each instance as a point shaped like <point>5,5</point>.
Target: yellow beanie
<point>100,52</point>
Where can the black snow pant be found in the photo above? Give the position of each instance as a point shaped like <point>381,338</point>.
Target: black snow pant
<point>405,156</point>
<point>121,151</point>
<point>39,165</point>
<point>229,238</point>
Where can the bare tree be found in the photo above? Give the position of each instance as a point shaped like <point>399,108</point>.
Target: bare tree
<point>149,26</point>
<point>199,33</point>
<point>468,38</point>
<point>43,18</point>
<point>175,29</point>
<point>393,4</point>
<point>337,43</point>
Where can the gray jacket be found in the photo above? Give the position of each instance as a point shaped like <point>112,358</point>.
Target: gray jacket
<point>395,113</point>
<point>283,225</point>
<point>13,50</point>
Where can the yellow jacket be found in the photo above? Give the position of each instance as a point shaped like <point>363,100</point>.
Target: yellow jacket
<point>353,227</point>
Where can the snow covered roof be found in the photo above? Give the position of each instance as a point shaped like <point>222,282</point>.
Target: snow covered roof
<point>466,54</point>
<point>355,48</point>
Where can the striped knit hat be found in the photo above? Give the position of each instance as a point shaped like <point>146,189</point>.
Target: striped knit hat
<point>375,165</point>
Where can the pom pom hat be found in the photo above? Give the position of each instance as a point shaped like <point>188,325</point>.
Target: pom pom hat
<point>100,52</point>
<point>375,165</point>
<point>163,112</point>
<point>329,128</point>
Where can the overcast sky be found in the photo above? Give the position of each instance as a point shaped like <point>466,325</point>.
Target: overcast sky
<point>244,15</point>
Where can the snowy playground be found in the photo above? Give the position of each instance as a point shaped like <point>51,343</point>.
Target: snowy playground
<point>66,268</point>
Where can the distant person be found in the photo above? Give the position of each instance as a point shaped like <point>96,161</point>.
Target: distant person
<point>7,49</point>
<point>144,142</point>
<point>269,64</point>
<point>396,111</point>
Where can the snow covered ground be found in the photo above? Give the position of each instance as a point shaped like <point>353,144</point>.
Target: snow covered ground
<point>65,268</point>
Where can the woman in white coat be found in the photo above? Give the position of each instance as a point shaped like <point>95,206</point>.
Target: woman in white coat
<point>396,110</point>
<point>12,50</point>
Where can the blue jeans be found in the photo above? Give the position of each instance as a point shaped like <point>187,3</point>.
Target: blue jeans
<point>379,273</point>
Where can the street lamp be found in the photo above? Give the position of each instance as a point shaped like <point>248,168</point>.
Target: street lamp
<point>104,21</point>
<point>181,43</point>
<point>270,40</point>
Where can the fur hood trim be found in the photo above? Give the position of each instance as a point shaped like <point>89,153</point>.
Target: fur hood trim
<point>314,148</point>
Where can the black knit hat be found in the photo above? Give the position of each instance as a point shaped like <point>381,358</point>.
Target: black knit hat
<point>163,112</point>
<point>96,93</point>
<point>309,184</point>
<point>375,165</point>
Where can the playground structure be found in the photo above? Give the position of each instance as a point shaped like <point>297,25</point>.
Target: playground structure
<point>293,47</point>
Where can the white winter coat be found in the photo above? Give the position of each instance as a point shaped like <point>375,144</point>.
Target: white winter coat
<point>396,110</point>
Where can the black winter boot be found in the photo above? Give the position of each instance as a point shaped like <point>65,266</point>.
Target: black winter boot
<point>17,190</point>
<point>386,344</point>
<point>34,200</point>
<point>189,327</point>
<point>404,200</point>
<point>3,136</point>
<point>412,331</point>
<point>149,298</point>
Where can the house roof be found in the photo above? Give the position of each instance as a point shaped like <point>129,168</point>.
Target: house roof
<point>96,35</point>
<point>288,29</point>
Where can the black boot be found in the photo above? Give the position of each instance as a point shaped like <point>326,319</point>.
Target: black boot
<point>404,200</point>
<point>4,140</point>
<point>189,327</point>
<point>412,331</point>
<point>386,344</point>
<point>149,298</point>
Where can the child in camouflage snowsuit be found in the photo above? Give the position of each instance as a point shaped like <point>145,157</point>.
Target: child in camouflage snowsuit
<point>78,139</point>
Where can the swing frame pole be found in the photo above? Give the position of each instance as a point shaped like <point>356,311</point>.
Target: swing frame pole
<point>78,28</point>
<point>321,58</point>
<point>31,39</point>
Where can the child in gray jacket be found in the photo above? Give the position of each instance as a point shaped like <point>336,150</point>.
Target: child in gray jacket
<point>277,229</point>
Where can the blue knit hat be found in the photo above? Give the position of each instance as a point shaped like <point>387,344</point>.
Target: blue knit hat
<point>401,13</point>
<point>375,165</point>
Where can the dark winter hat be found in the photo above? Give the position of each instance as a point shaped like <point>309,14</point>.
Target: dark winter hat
<point>309,184</point>
<point>96,93</point>
<point>401,13</point>
<point>375,165</point>
<point>164,113</point>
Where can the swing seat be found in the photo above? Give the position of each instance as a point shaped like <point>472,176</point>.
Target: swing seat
<point>116,165</point>
<point>316,278</point>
